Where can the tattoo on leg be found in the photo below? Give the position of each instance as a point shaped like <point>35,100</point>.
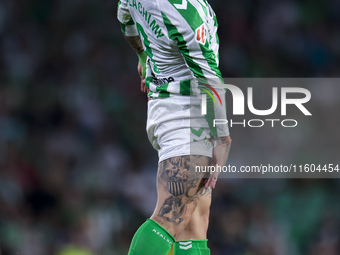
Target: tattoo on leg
<point>172,204</point>
<point>206,192</point>
<point>183,185</point>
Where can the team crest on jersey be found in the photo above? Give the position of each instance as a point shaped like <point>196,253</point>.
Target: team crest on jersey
<point>201,34</point>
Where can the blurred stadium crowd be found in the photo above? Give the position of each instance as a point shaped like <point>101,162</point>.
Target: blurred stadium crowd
<point>77,173</point>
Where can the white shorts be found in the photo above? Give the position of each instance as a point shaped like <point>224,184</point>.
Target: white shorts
<point>176,127</point>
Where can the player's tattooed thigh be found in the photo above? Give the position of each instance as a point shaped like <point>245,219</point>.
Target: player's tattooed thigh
<point>205,192</point>
<point>184,185</point>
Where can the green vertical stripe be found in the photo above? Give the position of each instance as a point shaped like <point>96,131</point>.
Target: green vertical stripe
<point>148,50</point>
<point>209,55</point>
<point>182,45</point>
<point>194,20</point>
<point>185,87</point>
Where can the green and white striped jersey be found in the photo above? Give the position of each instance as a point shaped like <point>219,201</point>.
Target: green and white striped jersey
<point>180,39</point>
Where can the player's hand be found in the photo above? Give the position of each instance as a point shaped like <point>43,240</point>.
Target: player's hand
<point>143,87</point>
<point>220,157</point>
<point>140,70</point>
<point>142,79</point>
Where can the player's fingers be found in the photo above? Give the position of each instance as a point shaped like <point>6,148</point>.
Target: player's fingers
<point>207,184</point>
<point>142,85</point>
<point>211,182</point>
<point>140,70</point>
<point>147,92</point>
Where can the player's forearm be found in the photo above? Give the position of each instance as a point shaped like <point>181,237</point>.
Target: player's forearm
<point>224,140</point>
<point>135,43</point>
<point>222,149</point>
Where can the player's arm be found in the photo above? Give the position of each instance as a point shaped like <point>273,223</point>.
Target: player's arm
<point>136,44</point>
<point>220,157</point>
<point>130,32</point>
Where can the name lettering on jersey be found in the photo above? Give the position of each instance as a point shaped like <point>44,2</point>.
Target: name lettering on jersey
<point>147,16</point>
<point>201,34</point>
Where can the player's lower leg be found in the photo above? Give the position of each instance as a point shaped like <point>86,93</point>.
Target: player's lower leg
<point>193,239</point>
<point>179,191</point>
<point>151,239</point>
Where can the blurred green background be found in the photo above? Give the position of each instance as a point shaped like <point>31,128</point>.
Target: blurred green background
<point>77,173</point>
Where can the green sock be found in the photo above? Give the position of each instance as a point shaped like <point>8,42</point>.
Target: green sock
<point>191,247</point>
<point>151,239</point>
<point>171,252</point>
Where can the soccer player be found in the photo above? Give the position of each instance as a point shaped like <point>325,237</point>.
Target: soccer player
<point>177,45</point>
